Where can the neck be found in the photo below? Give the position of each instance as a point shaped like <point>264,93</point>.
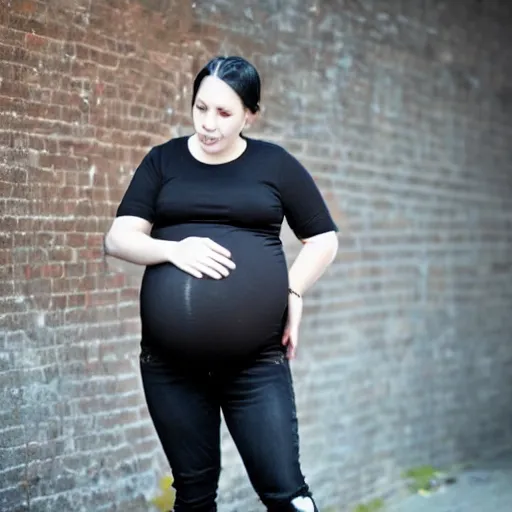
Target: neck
<point>229,154</point>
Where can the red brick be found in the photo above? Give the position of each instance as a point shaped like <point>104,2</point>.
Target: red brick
<point>15,89</point>
<point>24,6</point>
<point>61,254</point>
<point>52,271</point>
<point>102,298</point>
<point>35,42</point>
<point>105,59</point>
<point>76,239</point>
<point>90,254</point>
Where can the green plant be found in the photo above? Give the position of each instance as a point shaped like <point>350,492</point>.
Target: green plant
<point>165,501</point>
<point>421,478</point>
<point>376,505</point>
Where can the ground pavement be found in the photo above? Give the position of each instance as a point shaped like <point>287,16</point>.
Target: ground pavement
<point>484,487</point>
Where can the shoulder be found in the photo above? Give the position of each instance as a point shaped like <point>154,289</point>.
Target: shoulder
<point>289,165</point>
<point>275,156</point>
<point>272,152</point>
<point>161,155</point>
<point>155,162</point>
<point>267,148</point>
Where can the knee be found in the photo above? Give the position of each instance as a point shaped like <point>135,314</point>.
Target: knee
<point>297,504</point>
<point>303,504</point>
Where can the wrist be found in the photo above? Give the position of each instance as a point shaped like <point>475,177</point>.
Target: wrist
<point>294,293</point>
<point>168,248</point>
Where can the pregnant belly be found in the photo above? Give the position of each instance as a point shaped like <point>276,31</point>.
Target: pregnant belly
<point>233,317</point>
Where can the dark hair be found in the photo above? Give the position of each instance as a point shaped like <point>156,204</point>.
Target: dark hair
<point>239,74</point>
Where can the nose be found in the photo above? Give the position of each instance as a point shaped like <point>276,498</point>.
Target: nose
<point>209,121</point>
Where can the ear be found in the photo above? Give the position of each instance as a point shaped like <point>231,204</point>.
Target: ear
<point>249,118</point>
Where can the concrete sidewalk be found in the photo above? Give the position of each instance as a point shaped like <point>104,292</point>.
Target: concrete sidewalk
<point>485,487</point>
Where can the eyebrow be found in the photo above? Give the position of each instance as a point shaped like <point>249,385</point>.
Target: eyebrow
<point>198,99</point>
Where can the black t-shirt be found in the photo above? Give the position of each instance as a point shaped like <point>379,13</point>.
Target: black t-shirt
<point>241,206</point>
<point>256,190</point>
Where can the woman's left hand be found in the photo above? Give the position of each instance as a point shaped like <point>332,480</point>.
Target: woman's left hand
<point>291,331</point>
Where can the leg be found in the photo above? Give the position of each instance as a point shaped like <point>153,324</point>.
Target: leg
<point>259,408</point>
<point>186,414</point>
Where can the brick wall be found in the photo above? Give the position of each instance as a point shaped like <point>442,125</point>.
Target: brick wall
<point>402,111</point>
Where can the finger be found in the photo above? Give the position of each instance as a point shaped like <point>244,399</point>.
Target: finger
<point>205,269</point>
<point>192,271</point>
<point>210,262</point>
<point>292,345</point>
<point>222,259</point>
<point>217,248</point>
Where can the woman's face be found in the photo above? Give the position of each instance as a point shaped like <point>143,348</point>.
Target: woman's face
<point>219,115</point>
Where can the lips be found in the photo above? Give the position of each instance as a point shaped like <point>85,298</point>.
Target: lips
<point>207,140</point>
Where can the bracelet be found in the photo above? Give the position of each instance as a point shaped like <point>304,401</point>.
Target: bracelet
<point>293,292</point>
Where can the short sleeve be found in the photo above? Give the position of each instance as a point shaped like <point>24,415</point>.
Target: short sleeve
<point>304,207</point>
<point>140,197</point>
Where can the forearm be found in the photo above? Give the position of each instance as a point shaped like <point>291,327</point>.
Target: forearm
<point>314,258</point>
<point>138,248</point>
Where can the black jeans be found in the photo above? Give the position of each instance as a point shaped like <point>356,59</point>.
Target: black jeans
<point>258,405</point>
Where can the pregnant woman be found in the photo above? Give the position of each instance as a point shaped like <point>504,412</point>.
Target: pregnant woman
<point>220,312</point>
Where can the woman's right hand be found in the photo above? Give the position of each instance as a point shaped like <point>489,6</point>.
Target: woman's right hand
<point>201,256</point>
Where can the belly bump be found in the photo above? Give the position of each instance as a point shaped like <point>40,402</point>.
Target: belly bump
<point>232,315</point>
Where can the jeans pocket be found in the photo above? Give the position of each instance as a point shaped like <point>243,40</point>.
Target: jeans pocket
<point>275,356</point>
<point>279,358</point>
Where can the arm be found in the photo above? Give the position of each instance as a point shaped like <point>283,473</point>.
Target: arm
<point>315,256</point>
<point>310,220</point>
<point>129,236</point>
<point>129,239</point>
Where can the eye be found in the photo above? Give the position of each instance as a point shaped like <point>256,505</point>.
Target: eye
<point>224,114</point>
<point>202,108</point>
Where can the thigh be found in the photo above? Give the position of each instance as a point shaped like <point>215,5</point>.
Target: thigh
<point>185,411</point>
<point>259,408</point>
